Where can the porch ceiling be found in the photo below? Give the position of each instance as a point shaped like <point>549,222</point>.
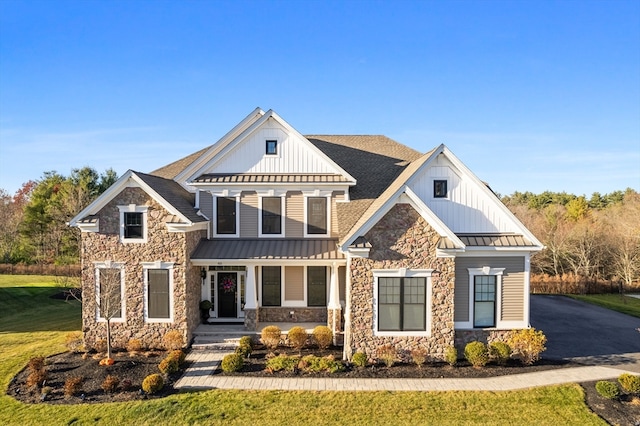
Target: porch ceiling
<point>267,249</point>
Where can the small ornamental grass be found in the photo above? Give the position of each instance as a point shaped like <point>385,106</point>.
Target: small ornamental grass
<point>630,383</point>
<point>477,354</point>
<point>173,340</point>
<point>36,363</point>
<point>37,378</point>
<point>110,384</point>
<point>316,364</point>
<point>297,337</point>
<point>232,363</point>
<point>73,386</point>
<point>134,346</point>
<point>359,359</point>
<point>451,355</point>
<point>282,362</point>
<point>152,383</point>
<point>607,389</point>
<point>499,352</point>
<point>419,356</point>
<point>323,336</point>
<point>528,344</point>
<point>271,336</point>
<point>387,354</point>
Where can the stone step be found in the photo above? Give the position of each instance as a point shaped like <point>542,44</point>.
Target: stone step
<point>214,346</point>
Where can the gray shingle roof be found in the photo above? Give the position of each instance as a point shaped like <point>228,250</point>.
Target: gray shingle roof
<point>171,170</point>
<point>267,249</point>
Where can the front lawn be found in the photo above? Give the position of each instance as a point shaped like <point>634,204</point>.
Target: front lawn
<point>31,323</point>
<point>616,302</point>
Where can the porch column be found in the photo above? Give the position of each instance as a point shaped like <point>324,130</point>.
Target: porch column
<point>250,299</point>
<point>334,310</point>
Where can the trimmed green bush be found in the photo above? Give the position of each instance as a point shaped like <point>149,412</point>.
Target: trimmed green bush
<point>630,383</point>
<point>178,355</point>
<point>270,336</point>
<point>173,340</point>
<point>297,337</point>
<point>245,346</point>
<point>607,389</point>
<point>499,352</point>
<point>528,344</point>
<point>451,355</point>
<point>152,383</point>
<point>359,359</point>
<point>323,336</point>
<point>169,365</point>
<point>477,354</point>
<point>315,364</point>
<point>232,363</point>
<point>282,362</point>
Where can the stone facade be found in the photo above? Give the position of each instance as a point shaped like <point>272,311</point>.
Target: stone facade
<point>485,336</point>
<point>402,239</point>
<point>161,245</point>
<point>300,314</point>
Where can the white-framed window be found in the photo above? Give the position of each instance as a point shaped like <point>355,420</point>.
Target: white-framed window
<point>133,223</point>
<point>271,288</point>
<point>271,217</point>
<point>110,286</point>
<point>227,219</point>
<point>158,291</point>
<point>402,302</point>
<point>484,296</point>
<point>317,286</point>
<point>440,188</point>
<point>317,213</point>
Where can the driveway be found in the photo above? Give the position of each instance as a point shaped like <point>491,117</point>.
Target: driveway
<point>586,333</point>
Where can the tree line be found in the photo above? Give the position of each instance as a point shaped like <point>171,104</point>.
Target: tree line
<point>33,221</point>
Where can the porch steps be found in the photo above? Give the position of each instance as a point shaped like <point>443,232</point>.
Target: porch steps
<point>218,338</point>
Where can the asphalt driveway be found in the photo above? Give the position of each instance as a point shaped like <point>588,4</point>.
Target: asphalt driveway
<point>586,333</point>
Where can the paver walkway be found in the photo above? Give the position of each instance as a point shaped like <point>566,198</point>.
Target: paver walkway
<point>200,376</point>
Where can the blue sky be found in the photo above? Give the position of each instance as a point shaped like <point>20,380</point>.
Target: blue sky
<point>531,95</point>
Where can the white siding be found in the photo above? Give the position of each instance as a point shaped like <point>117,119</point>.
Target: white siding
<point>467,209</point>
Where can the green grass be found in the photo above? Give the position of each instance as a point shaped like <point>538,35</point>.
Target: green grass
<point>37,325</point>
<point>616,302</point>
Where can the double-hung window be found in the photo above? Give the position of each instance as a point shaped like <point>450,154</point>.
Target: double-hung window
<point>110,289</point>
<point>484,309</point>
<point>317,223</point>
<point>272,215</point>
<point>226,215</point>
<point>158,291</point>
<point>402,304</point>
<point>271,286</point>
<point>317,286</point>
<point>133,226</point>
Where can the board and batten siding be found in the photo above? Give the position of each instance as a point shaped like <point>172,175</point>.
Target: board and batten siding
<point>512,297</point>
<point>294,283</point>
<point>249,210</point>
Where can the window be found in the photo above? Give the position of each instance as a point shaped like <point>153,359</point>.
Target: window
<point>133,227</point>
<point>316,286</point>
<point>402,304</point>
<point>271,285</point>
<point>317,215</point>
<point>272,147</point>
<point>439,189</point>
<point>109,294</point>
<point>158,294</point>
<point>225,215</point>
<point>484,305</point>
<point>271,215</point>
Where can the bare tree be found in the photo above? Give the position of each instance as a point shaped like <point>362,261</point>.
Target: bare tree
<point>110,297</point>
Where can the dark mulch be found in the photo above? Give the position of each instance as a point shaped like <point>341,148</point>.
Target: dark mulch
<point>135,368</point>
<point>131,367</point>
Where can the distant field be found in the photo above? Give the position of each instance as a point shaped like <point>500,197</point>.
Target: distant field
<point>31,323</point>
<point>625,304</point>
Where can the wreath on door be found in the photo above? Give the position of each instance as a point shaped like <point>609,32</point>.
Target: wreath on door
<point>228,285</point>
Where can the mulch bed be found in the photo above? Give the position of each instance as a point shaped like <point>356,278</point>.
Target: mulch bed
<point>135,368</point>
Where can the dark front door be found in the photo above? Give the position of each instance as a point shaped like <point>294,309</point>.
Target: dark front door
<point>227,294</point>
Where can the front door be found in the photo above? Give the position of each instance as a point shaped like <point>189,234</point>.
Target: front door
<point>227,294</point>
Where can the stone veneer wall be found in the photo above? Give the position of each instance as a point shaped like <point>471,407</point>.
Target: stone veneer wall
<point>485,336</point>
<point>161,245</point>
<point>402,239</point>
<point>301,314</point>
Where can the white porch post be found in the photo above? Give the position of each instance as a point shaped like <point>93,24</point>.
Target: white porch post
<point>334,290</point>
<point>250,297</point>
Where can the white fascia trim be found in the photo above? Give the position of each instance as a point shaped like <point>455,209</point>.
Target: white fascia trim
<point>89,227</point>
<point>158,264</point>
<point>272,194</point>
<point>359,252</point>
<point>123,301</point>
<point>267,262</point>
<point>185,227</point>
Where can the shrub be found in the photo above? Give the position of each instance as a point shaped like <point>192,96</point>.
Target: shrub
<point>528,344</point>
<point>270,336</point>
<point>100,346</point>
<point>36,363</point>
<point>110,384</point>
<point>500,352</point>
<point>323,336</point>
<point>126,384</point>
<point>359,359</point>
<point>232,363</point>
<point>37,377</point>
<point>178,355</point>
<point>297,337</point>
<point>477,354</point>
<point>419,356</point>
<point>73,341</point>
<point>387,354</point>
<point>282,362</point>
<point>173,340</point>
<point>134,345</point>
<point>451,355</point>
<point>73,386</point>
<point>168,365</point>
<point>607,389</point>
<point>152,383</point>
<point>629,382</point>
<point>245,346</point>
<point>315,364</point>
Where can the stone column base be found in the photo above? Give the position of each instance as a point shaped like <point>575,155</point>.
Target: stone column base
<point>251,319</point>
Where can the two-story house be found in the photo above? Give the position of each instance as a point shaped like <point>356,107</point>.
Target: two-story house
<point>382,243</point>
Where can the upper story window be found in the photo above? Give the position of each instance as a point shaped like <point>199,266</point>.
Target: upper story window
<point>317,216</point>
<point>271,216</point>
<point>272,147</point>
<point>133,224</point>
<point>226,221</point>
<point>440,189</point>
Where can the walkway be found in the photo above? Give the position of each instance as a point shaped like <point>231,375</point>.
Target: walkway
<point>200,376</point>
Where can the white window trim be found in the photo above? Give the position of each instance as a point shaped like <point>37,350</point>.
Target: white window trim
<point>157,265</point>
<point>317,194</point>
<point>215,216</point>
<point>432,189</point>
<point>110,265</point>
<point>485,270</point>
<point>282,215</point>
<point>403,273</point>
<point>132,208</point>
